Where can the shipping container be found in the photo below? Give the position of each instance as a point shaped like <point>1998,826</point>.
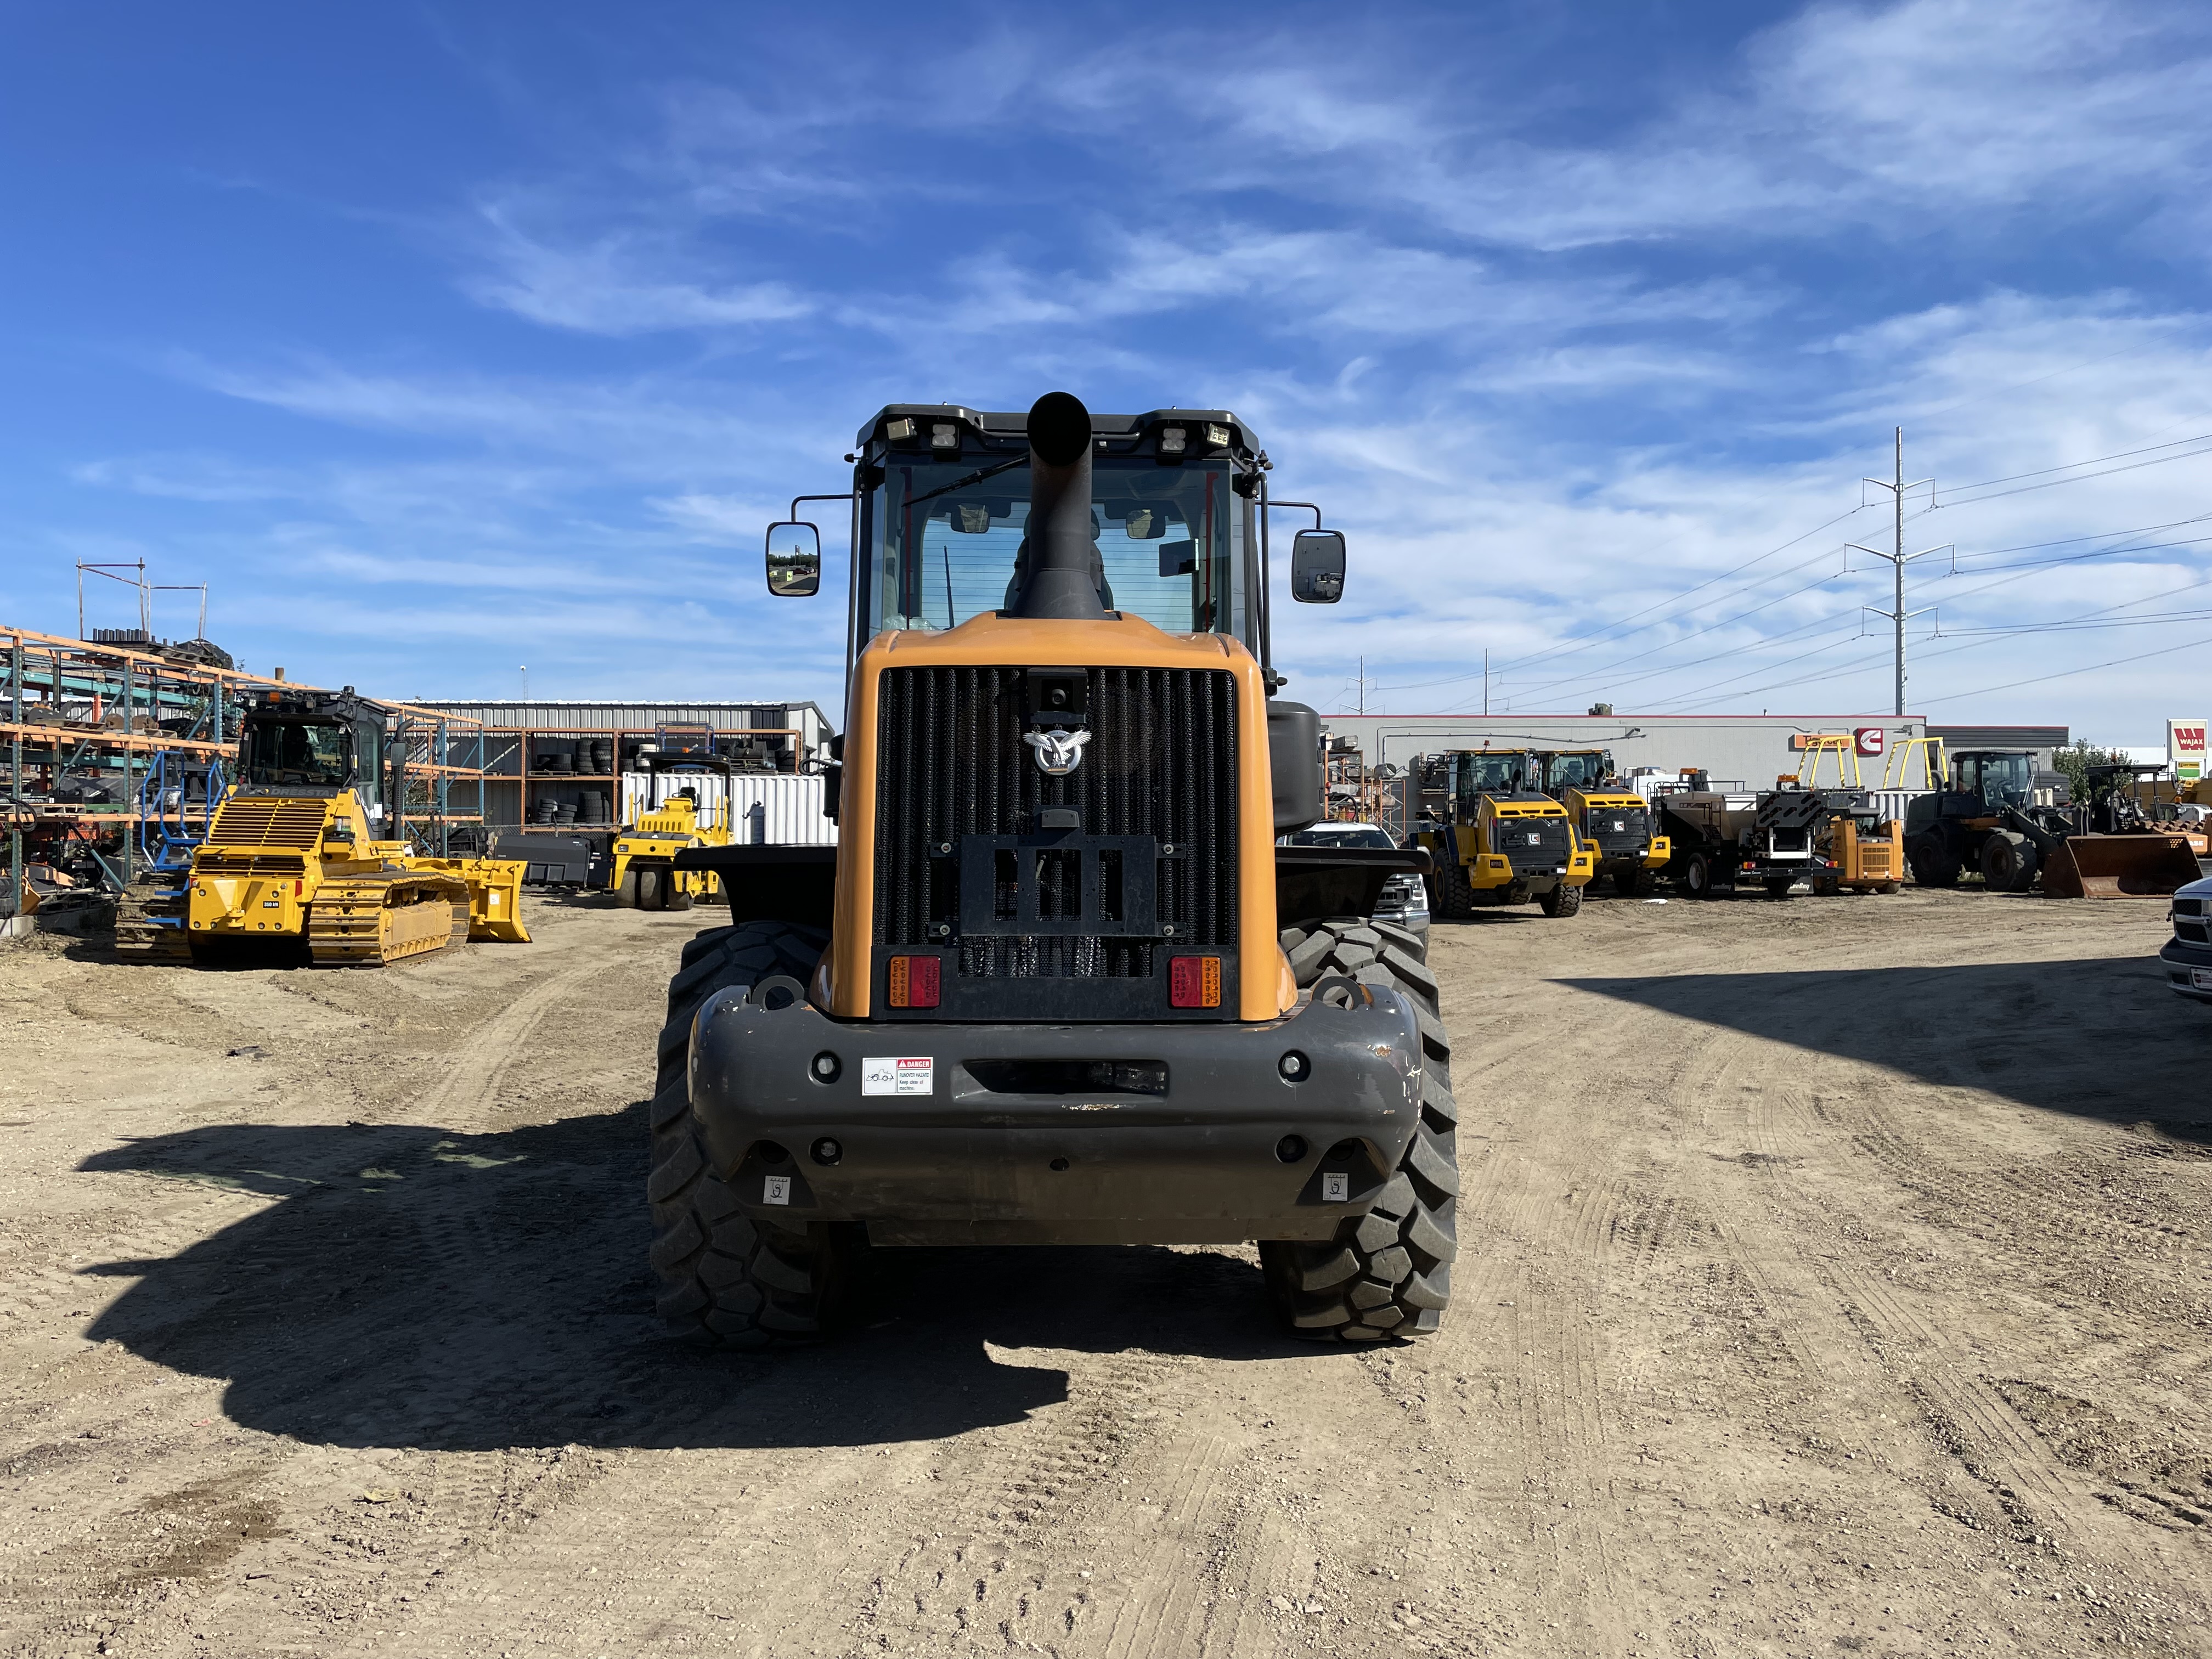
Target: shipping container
<point>761,809</point>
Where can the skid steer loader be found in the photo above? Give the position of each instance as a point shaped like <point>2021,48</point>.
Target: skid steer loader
<point>1614,821</point>
<point>1493,835</point>
<point>1056,984</point>
<point>307,845</point>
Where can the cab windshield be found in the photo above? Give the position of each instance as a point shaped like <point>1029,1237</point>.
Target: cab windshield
<point>294,752</point>
<point>940,549</point>
<point>1998,779</point>
<point>1584,770</point>
<point>1492,774</point>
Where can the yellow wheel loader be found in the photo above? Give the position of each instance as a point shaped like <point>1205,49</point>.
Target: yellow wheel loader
<point>1615,822</point>
<point>1494,836</point>
<point>1056,983</point>
<point>307,846</point>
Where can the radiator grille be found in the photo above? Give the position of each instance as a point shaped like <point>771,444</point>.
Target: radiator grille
<point>250,864</point>
<point>1161,762</point>
<point>1535,845</point>
<point>255,821</point>
<point>1626,840</point>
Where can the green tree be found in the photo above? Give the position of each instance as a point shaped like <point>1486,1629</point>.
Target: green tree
<point>2076,759</point>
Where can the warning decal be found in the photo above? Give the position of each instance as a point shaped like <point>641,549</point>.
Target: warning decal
<point>888,1074</point>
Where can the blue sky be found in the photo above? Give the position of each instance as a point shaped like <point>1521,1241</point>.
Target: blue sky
<point>439,341</point>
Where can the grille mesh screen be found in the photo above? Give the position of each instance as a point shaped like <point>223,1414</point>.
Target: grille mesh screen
<point>1161,762</point>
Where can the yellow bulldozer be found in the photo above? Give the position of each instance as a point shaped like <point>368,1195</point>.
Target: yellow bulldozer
<point>1056,983</point>
<point>1614,821</point>
<point>1493,835</point>
<point>307,846</point>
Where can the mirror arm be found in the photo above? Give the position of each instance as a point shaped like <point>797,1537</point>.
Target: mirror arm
<point>792,517</point>
<point>1307,506</point>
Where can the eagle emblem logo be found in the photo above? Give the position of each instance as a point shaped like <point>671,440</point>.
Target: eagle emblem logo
<point>1058,753</point>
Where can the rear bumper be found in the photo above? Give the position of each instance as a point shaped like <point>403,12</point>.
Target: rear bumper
<point>1200,1158</point>
<point>2180,958</point>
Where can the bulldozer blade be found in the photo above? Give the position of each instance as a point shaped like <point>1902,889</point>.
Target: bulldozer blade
<point>2120,866</point>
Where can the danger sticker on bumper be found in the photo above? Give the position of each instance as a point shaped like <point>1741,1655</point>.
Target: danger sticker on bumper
<point>910,1075</point>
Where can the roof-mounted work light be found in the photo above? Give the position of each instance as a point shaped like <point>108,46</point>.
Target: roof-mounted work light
<point>945,434</point>
<point>1173,439</point>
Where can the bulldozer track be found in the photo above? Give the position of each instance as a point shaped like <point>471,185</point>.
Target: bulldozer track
<point>372,921</point>
<point>150,921</point>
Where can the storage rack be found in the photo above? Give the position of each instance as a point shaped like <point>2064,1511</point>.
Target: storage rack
<point>511,751</point>
<point>58,695</point>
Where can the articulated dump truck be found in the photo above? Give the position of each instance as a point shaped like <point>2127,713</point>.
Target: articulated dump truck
<point>1056,984</point>
<point>307,845</point>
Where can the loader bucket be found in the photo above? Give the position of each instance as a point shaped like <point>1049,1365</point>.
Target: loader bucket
<point>2120,866</point>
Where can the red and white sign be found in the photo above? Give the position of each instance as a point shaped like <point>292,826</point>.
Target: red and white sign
<point>898,1074</point>
<point>1870,739</point>
<point>2184,749</point>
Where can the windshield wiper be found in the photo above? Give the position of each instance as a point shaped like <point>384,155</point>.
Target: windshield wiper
<point>1022,459</point>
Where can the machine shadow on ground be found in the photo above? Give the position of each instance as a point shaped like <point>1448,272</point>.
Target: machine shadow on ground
<point>2100,1037</point>
<point>417,1287</point>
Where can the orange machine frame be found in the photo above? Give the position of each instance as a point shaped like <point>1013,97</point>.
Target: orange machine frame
<point>990,640</point>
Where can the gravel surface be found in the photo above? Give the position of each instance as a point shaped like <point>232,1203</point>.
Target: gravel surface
<point>1833,1279</point>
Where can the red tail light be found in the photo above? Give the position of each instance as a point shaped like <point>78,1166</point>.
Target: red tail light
<point>914,981</point>
<point>1193,982</point>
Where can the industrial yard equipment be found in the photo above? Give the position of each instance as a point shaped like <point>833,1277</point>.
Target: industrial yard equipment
<point>1858,847</point>
<point>308,845</point>
<point>1056,983</point>
<point>644,875</point>
<point>1989,820</point>
<point>1609,818</point>
<point>1725,835</point>
<point>176,799</point>
<point>1494,836</point>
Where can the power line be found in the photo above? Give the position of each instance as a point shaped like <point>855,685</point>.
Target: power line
<point>2067,673</point>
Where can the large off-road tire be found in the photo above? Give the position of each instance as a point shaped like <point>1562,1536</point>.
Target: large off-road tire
<point>721,1279</point>
<point>674,895</point>
<point>648,887</point>
<point>2007,861</point>
<point>1387,1273</point>
<point>1777,887</point>
<point>626,890</point>
<point>1635,884</point>
<point>1698,876</point>
<point>1562,901</point>
<point>1933,863</point>
<point>1453,898</point>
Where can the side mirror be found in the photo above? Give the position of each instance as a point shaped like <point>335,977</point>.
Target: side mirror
<point>1318,566</point>
<point>794,559</point>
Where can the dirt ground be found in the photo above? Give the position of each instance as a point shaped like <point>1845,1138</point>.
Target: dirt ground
<point>1833,1279</point>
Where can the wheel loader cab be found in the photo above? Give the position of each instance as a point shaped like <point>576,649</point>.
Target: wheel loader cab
<point>2000,777</point>
<point>1051,985</point>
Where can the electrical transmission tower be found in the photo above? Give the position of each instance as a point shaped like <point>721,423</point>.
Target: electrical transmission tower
<point>1898,558</point>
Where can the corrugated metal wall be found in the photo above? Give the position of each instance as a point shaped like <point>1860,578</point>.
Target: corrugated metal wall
<point>764,809</point>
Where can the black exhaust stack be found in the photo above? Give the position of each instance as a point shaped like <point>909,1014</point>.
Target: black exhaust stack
<point>1058,574</point>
